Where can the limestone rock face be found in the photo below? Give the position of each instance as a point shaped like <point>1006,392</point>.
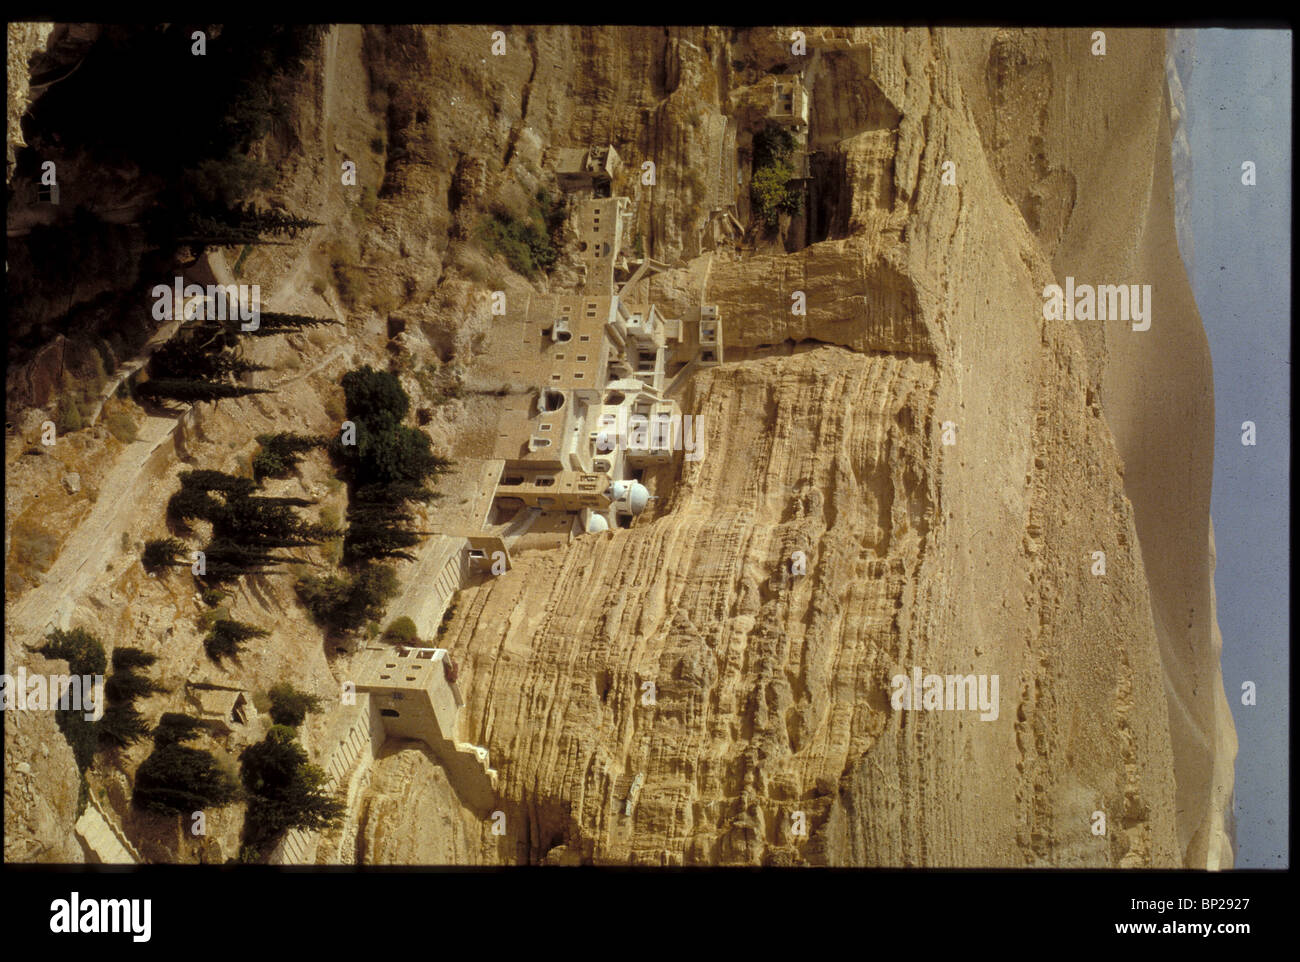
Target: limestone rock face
<point>25,39</point>
<point>772,706</point>
<point>41,783</point>
<point>913,471</point>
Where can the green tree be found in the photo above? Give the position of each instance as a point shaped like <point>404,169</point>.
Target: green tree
<point>226,638</point>
<point>375,397</point>
<point>286,791</point>
<point>84,654</point>
<point>290,706</point>
<point>161,552</point>
<point>178,780</point>
<point>280,453</point>
<point>347,602</point>
<point>176,389</point>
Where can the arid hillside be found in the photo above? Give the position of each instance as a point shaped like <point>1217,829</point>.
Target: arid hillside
<point>916,470</point>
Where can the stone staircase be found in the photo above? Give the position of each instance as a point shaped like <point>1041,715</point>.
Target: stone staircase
<point>107,844</point>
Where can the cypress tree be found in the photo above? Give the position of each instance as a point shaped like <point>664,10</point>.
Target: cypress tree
<point>176,389</point>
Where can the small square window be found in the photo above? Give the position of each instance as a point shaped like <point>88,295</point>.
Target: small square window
<point>582,357</point>
<point>546,427</point>
<point>578,376</point>
<point>559,357</point>
<point>584,337</point>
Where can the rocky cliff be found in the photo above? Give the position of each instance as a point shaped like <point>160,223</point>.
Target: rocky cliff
<point>916,471</point>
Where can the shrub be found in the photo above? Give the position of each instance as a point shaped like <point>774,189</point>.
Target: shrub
<point>290,706</point>
<point>33,548</point>
<point>67,416</point>
<point>446,618</point>
<point>213,596</point>
<point>349,279</point>
<point>334,409</point>
<point>121,426</point>
<point>526,243</point>
<point>401,631</point>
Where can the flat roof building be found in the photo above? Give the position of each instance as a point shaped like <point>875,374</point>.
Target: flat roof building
<point>590,168</point>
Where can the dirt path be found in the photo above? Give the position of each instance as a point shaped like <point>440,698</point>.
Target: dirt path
<point>94,542</point>
<point>97,540</point>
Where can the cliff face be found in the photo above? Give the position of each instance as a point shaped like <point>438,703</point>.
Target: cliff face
<point>947,461</point>
<point>970,557</point>
<point>25,40</point>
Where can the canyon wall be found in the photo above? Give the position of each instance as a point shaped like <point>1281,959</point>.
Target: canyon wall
<point>918,471</point>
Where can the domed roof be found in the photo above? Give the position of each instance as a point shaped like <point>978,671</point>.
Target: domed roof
<point>638,496</point>
<point>616,491</point>
<point>597,523</point>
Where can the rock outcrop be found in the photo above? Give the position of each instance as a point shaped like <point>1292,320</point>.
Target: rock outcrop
<point>916,471</point>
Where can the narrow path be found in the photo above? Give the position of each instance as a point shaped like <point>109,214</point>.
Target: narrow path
<point>91,545</point>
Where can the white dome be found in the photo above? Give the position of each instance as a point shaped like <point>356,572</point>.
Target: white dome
<point>597,523</point>
<point>616,491</point>
<point>638,496</point>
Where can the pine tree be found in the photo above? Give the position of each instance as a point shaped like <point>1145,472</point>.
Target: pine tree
<point>161,553</point>
<point>206,479</point>
<point>286,790</point>
<point>226,638</point>
<point>370,541</point>
<point>281,453</point>
<point>273,322</point>
<point>192,391</point>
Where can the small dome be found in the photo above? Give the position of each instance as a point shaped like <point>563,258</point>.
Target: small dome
<point>638,496</point>
<point>597,523</point>
<point>616,491</point>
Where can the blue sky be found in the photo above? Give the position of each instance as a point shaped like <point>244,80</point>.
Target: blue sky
<point>1239,109</point>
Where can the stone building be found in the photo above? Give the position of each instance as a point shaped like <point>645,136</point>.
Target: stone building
<point>591,169</point>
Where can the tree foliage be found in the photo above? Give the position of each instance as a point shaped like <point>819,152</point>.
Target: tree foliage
<point>177,779</point>
<point>769,191</point>
<point>85,656</point>
<point>285,790</point>
<point>280,453</point>
<point>290,706</point>
<point>226,637</point>
<point>178,389</point>
<point>347,601</point>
